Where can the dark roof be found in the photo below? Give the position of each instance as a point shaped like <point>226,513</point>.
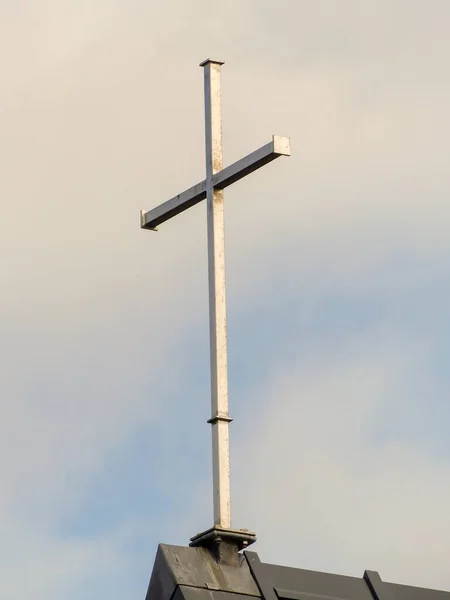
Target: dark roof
<point>181,573</point>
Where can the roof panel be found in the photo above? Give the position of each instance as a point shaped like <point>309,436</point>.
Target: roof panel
<point>181,573</point>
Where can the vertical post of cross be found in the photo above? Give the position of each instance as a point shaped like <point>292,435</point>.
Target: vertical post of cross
<point>217,315</point>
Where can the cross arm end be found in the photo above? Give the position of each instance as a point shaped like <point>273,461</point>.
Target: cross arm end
<point>144,224</point>
<point>281,145</point>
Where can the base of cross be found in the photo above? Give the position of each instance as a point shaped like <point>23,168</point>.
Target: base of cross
<point>224,543</point>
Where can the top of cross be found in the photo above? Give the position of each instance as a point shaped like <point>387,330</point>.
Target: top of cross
<point>211,60</point>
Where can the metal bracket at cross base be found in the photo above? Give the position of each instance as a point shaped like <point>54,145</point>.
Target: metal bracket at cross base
<point>224,543</point>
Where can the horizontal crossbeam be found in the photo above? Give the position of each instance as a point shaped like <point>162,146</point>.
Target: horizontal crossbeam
<point>173,207</point>
<point>279,146</point>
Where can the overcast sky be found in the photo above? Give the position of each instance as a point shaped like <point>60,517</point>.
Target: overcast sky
<point>338,274</point>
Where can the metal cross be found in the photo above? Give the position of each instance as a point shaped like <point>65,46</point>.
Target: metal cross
<point>211,188</point>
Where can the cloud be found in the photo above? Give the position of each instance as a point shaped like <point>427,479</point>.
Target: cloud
<point>323,481</point>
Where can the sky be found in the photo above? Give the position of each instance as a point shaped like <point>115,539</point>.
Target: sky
<point>338,284</point>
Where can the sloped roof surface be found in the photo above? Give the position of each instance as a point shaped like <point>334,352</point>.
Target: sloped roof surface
<point>181,573</point>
